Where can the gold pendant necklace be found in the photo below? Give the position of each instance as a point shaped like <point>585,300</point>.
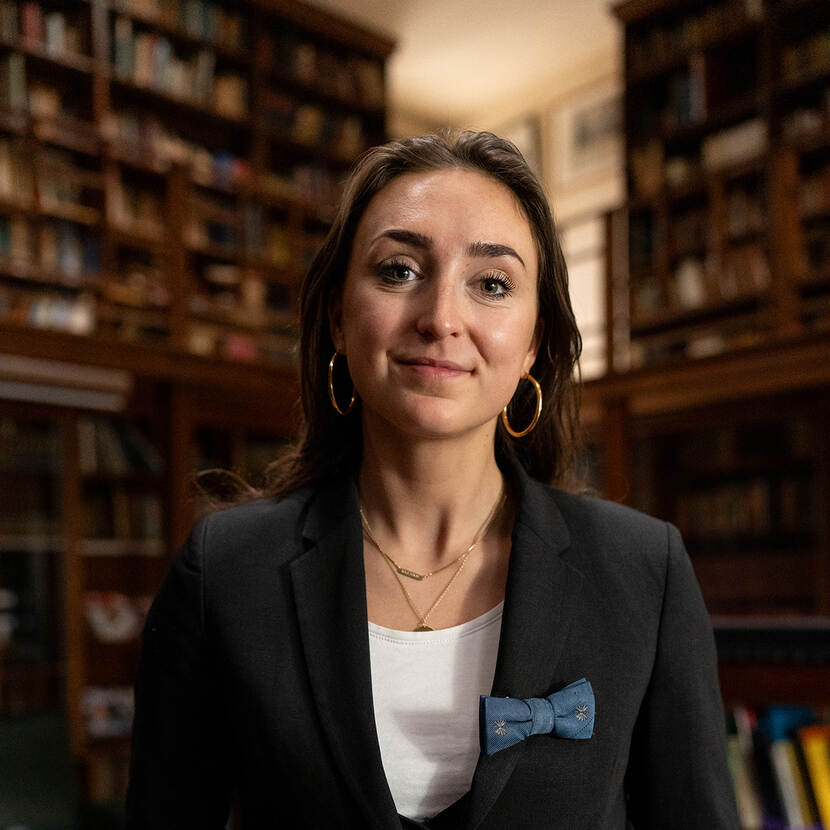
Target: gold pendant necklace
<point>419,576</point>
<point>399,571</point>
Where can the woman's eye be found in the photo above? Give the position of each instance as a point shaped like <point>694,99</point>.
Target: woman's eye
<point>496,286</point>
<point>397,272</point>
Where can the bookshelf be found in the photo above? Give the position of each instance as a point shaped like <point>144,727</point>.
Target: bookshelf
<point>713,414</point>
<point>167,170</point>
<point>726,112</point>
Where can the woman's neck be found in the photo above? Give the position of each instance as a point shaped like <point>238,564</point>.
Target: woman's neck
<point>426,500</point>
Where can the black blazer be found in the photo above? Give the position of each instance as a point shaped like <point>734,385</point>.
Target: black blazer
<point>254,683</point>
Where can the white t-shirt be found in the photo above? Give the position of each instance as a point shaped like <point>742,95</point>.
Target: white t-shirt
<point>426,687</point>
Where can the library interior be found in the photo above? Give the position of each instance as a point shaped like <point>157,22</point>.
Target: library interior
<point>168,171</point>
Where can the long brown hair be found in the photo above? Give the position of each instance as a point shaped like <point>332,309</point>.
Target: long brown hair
<point>329,443</point>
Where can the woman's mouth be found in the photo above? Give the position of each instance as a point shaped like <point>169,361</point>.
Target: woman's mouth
<point>429,368</point>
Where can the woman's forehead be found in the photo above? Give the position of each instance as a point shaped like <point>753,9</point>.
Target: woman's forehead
<point>445,202</point>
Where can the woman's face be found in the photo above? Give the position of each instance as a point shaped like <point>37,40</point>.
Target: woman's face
<point>438,314</point>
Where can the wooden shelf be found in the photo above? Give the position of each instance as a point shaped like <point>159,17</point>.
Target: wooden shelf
<point>106,149</point>
<point>677,318</point>
<point>195,108</point>
<point>79,64</point>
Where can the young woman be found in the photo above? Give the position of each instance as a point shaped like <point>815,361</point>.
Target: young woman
<point>411,627</point>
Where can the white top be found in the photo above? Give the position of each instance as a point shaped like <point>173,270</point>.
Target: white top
<point>426,687</point>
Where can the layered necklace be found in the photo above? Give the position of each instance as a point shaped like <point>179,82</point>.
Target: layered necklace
<point>399,571</point>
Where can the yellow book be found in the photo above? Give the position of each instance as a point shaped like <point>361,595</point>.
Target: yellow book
<point>815,744</point>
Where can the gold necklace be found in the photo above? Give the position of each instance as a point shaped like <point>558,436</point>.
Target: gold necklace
<point>422,618</point>
<point>398,571</point>
<point>419,576</point>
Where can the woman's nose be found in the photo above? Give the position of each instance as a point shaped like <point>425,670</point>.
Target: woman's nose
<point>440,313</point>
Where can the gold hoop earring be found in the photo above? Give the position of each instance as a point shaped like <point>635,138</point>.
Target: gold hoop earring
<point>536,414</point>
<point>333,400</point>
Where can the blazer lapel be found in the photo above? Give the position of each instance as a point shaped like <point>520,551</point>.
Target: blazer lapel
<point>330,589</point>
<point>541,595</point>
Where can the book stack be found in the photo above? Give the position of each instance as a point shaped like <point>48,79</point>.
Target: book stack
<point>57,32</point>
<point>200,19</point>
<point>146,140</point>
<point>112,447</point>
<point>149,59</point>
<point>780,764</point>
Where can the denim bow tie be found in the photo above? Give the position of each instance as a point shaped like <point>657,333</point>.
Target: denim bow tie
<point>568,713</point>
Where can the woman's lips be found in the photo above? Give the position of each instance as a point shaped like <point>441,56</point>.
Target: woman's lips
<point>427,367</point>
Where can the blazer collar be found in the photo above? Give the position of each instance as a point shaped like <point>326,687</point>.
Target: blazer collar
<point>330,587</point>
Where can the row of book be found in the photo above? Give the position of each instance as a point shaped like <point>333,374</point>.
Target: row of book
<point>29,446</point>
<point>651,169</point>
<point>147,139</point>
<point>350,79</point>
<point>58,247</point>
<point>680,345</point>
<point>39,25</point>
<point>118,513</point>
<point>150,60</point>
<point>339,135</point>
<point>199,19</point>
<point>662,42</point>
<point>742,271</point>
<point>758,507</point>
<point>780,764</point>
<point>110,447</point>
<point>712,451</point>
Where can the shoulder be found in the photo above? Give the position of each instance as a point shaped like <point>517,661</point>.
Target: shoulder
<point>598,517</point>
<point>271,526</point>
<point>610,540</point>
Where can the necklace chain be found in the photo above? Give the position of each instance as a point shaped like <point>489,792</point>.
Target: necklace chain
<point>399,571</point>
<point>485,525</point>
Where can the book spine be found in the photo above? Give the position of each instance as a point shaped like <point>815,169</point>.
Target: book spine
<point>815,744</point>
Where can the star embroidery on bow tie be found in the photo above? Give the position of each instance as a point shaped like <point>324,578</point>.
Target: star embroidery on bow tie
<point>501,727</point>
<point>582,712</point>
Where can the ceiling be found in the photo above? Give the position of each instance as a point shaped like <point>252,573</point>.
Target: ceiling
<point>455,57</point>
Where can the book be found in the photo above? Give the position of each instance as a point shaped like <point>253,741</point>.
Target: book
<point>815,744</point>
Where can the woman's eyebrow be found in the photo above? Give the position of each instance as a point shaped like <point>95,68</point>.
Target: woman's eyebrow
<point>416,240</point>
<point>492,249</point>
<point>474,249</point>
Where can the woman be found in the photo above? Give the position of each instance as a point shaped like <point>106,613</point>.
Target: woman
<point>321,656</point>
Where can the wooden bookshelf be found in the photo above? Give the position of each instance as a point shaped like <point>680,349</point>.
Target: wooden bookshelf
<point>167,170</point>
<point>726,111</point>
<point>714,411</point>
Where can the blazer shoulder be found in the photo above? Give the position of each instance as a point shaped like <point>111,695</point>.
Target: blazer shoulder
<point>619,536</point>
<point>250,526</point>
<point>606,515</point>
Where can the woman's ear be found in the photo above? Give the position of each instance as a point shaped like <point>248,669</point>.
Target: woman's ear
<point>335,309</point>
<point>535,343</point>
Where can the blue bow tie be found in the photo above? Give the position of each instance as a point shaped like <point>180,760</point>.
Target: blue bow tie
<point>568,713</point>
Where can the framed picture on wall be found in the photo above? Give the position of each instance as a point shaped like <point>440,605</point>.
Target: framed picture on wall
<point>587,135</point>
